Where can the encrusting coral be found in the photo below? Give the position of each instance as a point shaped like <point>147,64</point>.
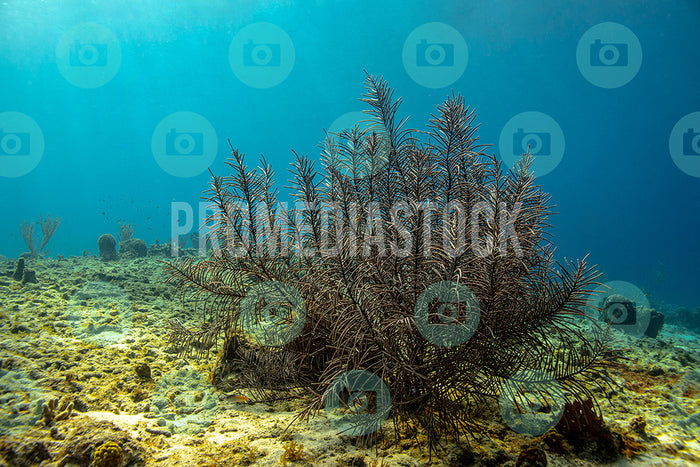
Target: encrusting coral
<point>368,289</point>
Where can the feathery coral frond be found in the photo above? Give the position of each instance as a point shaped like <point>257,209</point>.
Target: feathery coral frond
<point>388,219</point>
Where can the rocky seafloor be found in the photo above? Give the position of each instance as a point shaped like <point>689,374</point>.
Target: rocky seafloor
<point>87,378</point>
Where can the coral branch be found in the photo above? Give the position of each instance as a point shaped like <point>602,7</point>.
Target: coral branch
<point>48,228</point>
<point>27,229</point>
<point>126,232</point>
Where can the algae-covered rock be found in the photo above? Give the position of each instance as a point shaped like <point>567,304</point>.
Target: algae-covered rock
<point>531,457</point>
<point>107,246</point>
<point>20,452</point>
<point>18,327</point>
<point>22,401</point>
<point>143,371</point>
<point>133,247</point>
<point>102,444</point>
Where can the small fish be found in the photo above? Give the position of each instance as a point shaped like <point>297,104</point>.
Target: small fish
<point>239,398</point>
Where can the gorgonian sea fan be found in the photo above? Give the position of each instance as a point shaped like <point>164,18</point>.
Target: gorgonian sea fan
<point>397,221</point>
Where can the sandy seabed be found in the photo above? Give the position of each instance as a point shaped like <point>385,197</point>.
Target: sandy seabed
<point>92,336</point>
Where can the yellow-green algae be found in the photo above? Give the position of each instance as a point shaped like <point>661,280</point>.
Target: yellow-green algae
<point>111,397</point>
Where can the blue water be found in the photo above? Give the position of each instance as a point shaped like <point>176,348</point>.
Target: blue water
<point>620,196</point>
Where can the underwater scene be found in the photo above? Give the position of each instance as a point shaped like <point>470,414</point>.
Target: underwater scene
<point>349,233</point>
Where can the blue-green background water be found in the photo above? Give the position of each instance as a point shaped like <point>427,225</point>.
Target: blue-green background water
<point>620,195</point>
